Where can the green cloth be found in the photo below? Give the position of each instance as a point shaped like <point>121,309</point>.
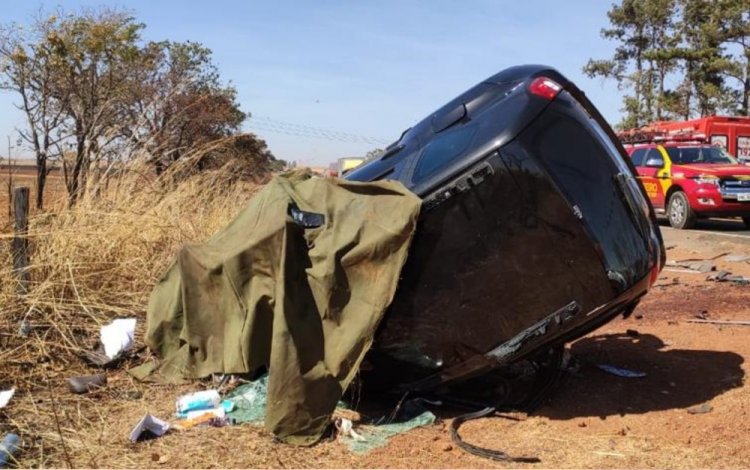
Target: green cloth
<point>378,435</point>
<point>303,301</point>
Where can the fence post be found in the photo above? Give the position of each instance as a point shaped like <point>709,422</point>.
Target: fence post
<point>21,241</point>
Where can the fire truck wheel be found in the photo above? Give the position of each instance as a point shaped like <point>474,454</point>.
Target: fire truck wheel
<point>681,215</point>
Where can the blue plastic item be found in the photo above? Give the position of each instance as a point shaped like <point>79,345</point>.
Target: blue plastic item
<point>9,448</point>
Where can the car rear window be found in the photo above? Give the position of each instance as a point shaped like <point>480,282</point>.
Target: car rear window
<point>443,150</point>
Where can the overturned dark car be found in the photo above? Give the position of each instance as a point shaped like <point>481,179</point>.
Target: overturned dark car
<point>533,231</point>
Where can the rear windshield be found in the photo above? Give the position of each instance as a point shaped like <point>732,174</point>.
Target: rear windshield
<point>687,155</point>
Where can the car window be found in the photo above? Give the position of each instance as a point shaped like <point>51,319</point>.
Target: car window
<point>688,155</point>
<point>442,150</point>
<point>638,157</point>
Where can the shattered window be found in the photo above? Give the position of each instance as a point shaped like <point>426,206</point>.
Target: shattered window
<point>442,150</point>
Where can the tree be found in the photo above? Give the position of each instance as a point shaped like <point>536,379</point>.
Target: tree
<point>94,93</point>
<point>734,30</point>
<point>701,45</point>
<point>94,53</point>
<point>28,68</point>
<point>644,30</point>
<point>177,102</point>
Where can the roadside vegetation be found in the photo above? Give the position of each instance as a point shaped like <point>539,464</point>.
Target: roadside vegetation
<point>147,141</point>
<point>678,59</point>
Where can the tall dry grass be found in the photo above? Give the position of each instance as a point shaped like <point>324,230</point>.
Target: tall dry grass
<point>99,259</point>
<point>89,264</point>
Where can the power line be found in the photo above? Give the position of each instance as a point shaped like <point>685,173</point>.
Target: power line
<point>268,124</point>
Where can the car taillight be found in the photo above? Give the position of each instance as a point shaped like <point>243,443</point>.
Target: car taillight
<point>545,88</point>
<point>654,273</point>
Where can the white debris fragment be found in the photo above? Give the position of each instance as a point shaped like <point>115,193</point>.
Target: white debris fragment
<point>5,397</point>
<point>118,336</point>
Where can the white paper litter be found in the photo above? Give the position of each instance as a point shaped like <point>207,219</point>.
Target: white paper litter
<point>5,397</point>
<point>149,423</point>
<point>118,336</point>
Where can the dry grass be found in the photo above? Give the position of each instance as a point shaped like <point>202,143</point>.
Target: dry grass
<point>94,262</point>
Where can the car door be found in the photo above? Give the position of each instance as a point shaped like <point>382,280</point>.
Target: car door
<point>650,165</point>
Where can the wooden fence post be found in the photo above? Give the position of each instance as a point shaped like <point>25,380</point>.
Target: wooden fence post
<point>21,241</point>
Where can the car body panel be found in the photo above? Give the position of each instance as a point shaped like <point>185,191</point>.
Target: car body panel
<point>516,250</point>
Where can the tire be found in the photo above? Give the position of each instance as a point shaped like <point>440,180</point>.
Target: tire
<point>746,219</point>
<point>680,214</point>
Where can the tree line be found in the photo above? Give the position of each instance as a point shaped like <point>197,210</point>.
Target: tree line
<point>95,94</point>
<point>678,59</point>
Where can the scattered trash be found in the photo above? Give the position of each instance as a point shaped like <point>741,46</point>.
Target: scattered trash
<point>621,372</point>
<point>198,401</point>
<point>24,329</point>
<point>148,427</point>
<point>118,336</point>
<point>700,266</point>
<point>375,436</point>
<point>9,449</point>
<point>5,397</point>
<point>737,258</point>
<point>87,383</point>
<point>249,401</point>
<point>702,315</point>
<point>726,276</point>
<point>700,409</point>
<point>345,427</point>
<point>723,322</point>
<point>217,412</point>
<point>215,417</point>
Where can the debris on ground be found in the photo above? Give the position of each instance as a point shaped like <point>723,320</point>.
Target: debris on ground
<point>118,336</point>
<point>373,436</point>
<point>700,409</point>
<point>148,427</point>
<point>726,276</point>
<point>701,266</point>
<point>620,371</point>
<point>206,399</point>
<point>9,449</point>
<point>702,315</point>
<point>345,428</point>
<point>734,258</point>
<point>722,322</point>
<point>87,383</point>
<point>5,397</point>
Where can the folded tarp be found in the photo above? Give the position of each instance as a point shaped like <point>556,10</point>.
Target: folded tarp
<point>297,283</point>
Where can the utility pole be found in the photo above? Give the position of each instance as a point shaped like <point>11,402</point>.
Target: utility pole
<point>10,184</point>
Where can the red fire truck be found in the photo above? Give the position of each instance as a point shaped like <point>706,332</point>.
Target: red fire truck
<point>730,133</point>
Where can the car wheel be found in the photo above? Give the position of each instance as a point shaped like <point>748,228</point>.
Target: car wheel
<point>679,212</point>
<point>746,219</point>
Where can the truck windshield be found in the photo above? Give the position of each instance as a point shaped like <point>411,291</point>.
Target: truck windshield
<point>688,155</point>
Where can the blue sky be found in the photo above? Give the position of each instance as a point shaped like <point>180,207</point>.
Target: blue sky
<point>368,69</point>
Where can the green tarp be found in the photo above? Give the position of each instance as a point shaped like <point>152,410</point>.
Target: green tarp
<point>274,289</point>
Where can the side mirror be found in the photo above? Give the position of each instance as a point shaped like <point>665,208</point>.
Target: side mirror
<point>654,162</point>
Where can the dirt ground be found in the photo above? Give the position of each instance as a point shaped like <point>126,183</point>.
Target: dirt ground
<point>593,420</point>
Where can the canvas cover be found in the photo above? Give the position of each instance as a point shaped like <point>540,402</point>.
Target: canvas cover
<point>297,283</point>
